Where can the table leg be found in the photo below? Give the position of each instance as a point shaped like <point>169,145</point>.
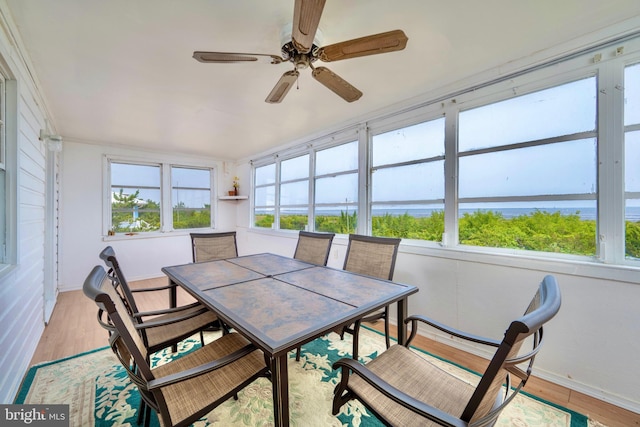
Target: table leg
<point>402,327</point>
<point>280,384</point>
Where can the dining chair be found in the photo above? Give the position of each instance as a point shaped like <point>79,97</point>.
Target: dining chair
<point>376,257</point>
<point>313,247</point>
<point>403,388</point>
<point>184,389</point>
<point>213,246</point>
<point>165,327</point>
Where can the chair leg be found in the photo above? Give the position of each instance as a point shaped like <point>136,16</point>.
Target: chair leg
<point>298,354</point>
<point>386,326</point>
<point>147,416</point>
<point>201,338</point>
<point>141,410</point>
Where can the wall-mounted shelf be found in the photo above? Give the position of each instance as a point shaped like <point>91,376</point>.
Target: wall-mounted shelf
<point>233,197</point>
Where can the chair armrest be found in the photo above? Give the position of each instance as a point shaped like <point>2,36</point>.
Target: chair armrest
<point>452,331</point>
<point>401,398</point>
<point>154,323</point>
<point>202,369</point>
<point>166,310</point>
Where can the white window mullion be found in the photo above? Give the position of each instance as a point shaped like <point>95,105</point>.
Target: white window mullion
<point>611,200</point>
<point>166,202</point>
<point>450,237</point>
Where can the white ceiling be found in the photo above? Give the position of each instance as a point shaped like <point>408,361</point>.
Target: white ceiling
<point>121,72</point>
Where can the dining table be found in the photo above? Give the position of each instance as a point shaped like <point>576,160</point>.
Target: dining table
<point>279,303</point>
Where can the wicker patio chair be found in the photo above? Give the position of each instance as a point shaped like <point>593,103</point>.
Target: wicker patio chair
<point>184,389</point>
<point>313,247</point>
<point>213,246</point>
<point>376,257</point>
<point>163,328</point>
<point>404,389</point>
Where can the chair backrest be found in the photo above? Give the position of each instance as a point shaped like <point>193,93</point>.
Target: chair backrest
<point>372,256</point>
<point>313,247</point>
<point>488,399</point>
<point>213,246</point>
<point>124,339</point>
<point>108,255</point>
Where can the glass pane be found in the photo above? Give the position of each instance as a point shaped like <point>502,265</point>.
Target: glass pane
<point>341,219</point>
<point>294,193</point>
<point>560,110</point>
<point>266,174</point>
<point>265,196</point>
<point>563,227</point>
<point>632,161</point>
<point>191,209</point>
<point>123,174</point>
<point>295,168</point>
<point>424,181</point>
<point>137,211</point>
<point>337,159</point>
<point>3,216</point>
<point>263,218</point>
<point>561,168</point>
<point>632,95</point>
<point>337,189</point>
<point>420,141</point>
<point>424,222</point>
<point>190,178</point>
<point>632,185</point>
<point>294,219</point>
<point>134,206</point>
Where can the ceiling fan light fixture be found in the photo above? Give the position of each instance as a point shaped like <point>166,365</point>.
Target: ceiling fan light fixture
<point>283,86</point>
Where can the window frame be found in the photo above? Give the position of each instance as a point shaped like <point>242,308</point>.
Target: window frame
<point>166,199</point>
<point>605,61</point>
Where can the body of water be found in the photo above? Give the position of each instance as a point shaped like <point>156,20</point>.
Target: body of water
<point>632,213</point>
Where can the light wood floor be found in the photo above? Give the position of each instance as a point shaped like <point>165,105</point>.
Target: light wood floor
<point>73,329</point>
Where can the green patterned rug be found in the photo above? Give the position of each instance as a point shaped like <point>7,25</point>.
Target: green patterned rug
<point>100,394</point>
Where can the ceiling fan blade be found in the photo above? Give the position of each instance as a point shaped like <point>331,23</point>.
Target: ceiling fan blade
<point>229,57</point>
<point>282,87</point>
<point>306,17</point>
<point>337,84</point>
<point>390,41</point>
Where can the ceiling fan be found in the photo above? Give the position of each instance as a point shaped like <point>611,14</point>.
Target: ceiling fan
<point>302,52</point>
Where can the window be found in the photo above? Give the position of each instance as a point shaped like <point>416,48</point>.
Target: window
<point>527,171</point>
<point>4,256</point>
<point>191,197</point>
<point>138,197</point>
<point>264,196</point>
<point>407,198</point>
<point>336,189</point>
<point>294,193</point>
<point>632,160</point>
<point>541,160</point>
<point>135,192</point>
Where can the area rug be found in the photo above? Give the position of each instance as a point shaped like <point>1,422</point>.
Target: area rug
<point>100,394</point>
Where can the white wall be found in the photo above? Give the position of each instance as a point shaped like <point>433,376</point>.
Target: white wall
<point>22,285</point>
<point>82,234</point>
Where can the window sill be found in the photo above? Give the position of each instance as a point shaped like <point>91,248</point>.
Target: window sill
<point>154,235</point>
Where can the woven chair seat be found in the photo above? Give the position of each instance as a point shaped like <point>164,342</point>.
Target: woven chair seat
<point>417,377</point>
<point>188,397</point>
<point>174,332</point>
